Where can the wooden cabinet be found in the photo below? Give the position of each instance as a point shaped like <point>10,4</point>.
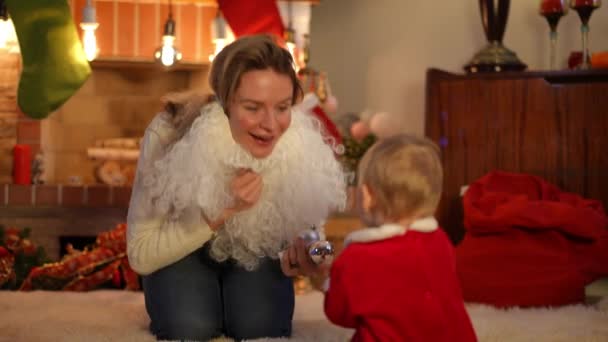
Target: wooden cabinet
<point>550,124</point>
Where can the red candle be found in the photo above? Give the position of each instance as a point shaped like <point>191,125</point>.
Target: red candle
<point>552,6</point>
<point>22,164</point>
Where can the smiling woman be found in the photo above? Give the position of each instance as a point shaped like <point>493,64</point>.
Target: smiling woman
<point>226,182</point>
<point>261,111</point>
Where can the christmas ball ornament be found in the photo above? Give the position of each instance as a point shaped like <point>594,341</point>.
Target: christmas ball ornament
<point>3,252</point>
<point>381,125</point>
<point>359,130</point>
<point>319,251</point>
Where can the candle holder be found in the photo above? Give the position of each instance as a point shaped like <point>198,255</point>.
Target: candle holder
<point>585,8</point>
<point>553,11</point>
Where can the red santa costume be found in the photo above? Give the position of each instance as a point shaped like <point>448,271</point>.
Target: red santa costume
<point>393,283</point>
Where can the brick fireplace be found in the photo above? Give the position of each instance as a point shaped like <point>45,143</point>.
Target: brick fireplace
<point>117,101</point>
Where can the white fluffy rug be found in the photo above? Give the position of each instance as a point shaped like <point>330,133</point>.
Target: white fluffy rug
<point>108,316</point>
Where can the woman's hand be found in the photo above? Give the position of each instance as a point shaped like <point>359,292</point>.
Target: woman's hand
<point>296,261</point>
<point>246,190</point>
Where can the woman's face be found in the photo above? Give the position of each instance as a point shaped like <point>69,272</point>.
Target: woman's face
<point>260,111</point>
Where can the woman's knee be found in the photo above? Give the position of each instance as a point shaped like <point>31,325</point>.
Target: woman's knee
<point>263,307</point>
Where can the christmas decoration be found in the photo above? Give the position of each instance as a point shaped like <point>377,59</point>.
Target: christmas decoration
<point>54,62</point>
<point>320,251</point>
<point>104,262</point>
<point>22,164</point>
<point>7,261</point>
<point>382,125</point>
<point>351,135</point>
<point>353,152</point>
<point>359,130</point>
<point>38,169</point>
<point>18,255</point>
<point>251,17</point>
<point>311,104</point>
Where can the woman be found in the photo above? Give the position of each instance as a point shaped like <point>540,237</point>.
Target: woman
<point>224,184</point>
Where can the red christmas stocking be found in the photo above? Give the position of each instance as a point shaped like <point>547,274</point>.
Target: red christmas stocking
<point>251,17</point>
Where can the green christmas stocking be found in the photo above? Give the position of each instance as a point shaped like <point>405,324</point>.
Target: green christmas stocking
<point>54,63</point>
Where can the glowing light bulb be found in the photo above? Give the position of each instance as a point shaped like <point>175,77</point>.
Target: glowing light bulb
<point>219,43</point>
<point>5,26</point>
<point>88,25</point>
<point>222,35</point>
<point>8,37</point>
<point>89,41</point>
<point>167,54</point>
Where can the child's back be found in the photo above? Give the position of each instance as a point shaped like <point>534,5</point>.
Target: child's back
<point>403,288</point>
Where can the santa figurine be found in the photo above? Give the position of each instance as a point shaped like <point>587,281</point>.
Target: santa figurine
<point>320,102</point>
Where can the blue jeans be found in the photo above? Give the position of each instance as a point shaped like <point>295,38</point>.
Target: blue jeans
<point>199,299</point>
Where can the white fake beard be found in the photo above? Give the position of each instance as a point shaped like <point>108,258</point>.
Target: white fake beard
<point>302,184</point>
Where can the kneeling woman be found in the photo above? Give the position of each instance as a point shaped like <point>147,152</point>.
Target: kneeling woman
<point>224,183</point>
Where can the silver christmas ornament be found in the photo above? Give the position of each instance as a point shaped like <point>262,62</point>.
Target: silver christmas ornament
<point>320,251</point>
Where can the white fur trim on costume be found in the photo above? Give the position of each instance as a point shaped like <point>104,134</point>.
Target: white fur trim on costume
<point>303,184</point>
<point>383,232</point>
<point>425,225</point>
<point>387,231</point>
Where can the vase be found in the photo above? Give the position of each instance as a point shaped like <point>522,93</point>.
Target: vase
<point>494,57</point>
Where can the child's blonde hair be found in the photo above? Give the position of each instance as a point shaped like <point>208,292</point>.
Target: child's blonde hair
<point>404,174</point>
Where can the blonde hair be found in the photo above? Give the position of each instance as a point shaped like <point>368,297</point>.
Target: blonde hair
<point>405,176</point>
<point>256,52</point>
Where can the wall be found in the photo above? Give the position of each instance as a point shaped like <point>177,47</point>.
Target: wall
<point>377,52</point>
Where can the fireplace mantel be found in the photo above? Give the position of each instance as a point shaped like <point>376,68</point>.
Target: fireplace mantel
<point>44,196</point>
<point>52,211</point>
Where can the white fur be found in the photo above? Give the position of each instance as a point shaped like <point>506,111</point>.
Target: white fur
<point>101,316</point>
<point>387,231</point>
<point>303,183</point>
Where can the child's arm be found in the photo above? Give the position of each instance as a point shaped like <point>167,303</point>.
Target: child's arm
<point>338,304</point>
<point>320,281</point>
